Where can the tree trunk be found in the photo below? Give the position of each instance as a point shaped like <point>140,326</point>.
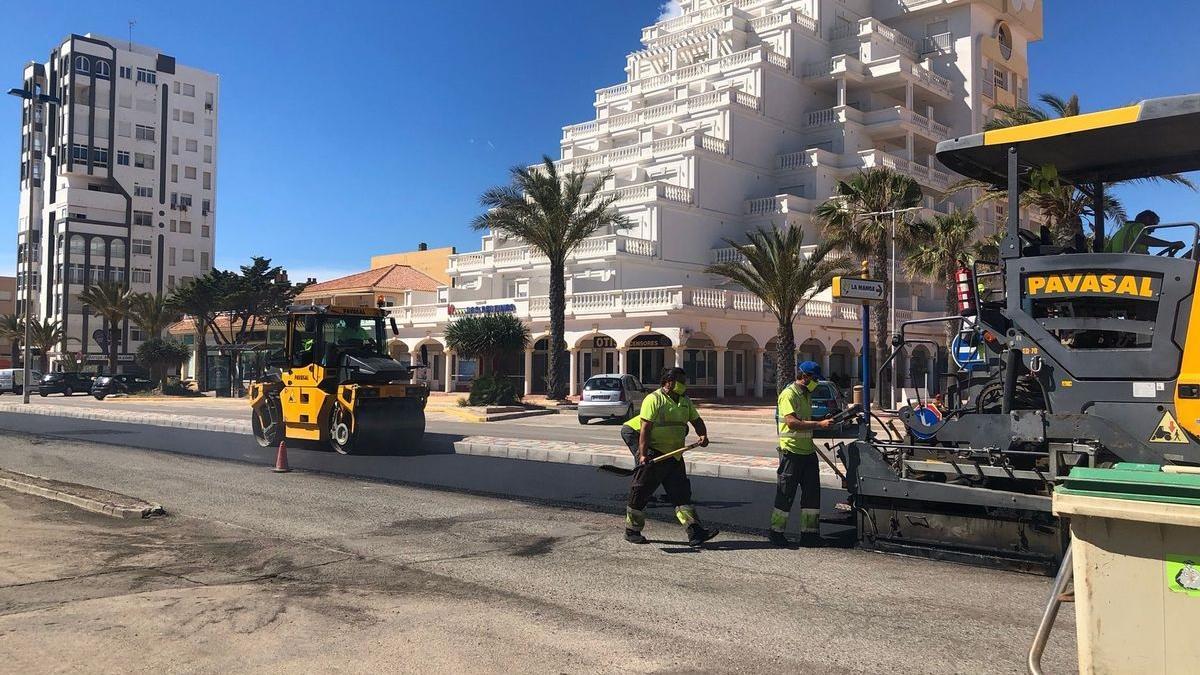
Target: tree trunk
<point>882,380</point>
<point>14,351</point>
<point>559,364</point>
<point>113,327</point>
<point>785,355</point>
<point>201,358</point>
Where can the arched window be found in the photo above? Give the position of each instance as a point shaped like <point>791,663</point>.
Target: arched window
<point>118,249</point>
<point>97,246</point>
<point>81,64</point>
<point>1004,37</point>
<point>78,245</point>
<point>102,69</point>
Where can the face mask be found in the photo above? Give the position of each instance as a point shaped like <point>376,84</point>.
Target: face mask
<point>811,386</point>
<point>679,388</point>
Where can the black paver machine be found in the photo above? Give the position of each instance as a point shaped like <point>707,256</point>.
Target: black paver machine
<point>1084,354</point>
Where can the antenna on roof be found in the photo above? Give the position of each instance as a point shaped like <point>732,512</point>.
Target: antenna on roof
<point>132,23</point>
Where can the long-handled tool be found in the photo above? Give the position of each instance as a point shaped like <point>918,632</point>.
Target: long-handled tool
<point>621,471</point>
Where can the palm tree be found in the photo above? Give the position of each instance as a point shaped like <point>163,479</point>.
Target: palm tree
<point>776,270</point>
<point>151,313</point>
<point>45,337</point>
<point>110,301</point>
<point>857,220</point>
<point>12,328</point>
<point>552,213</point>
<point>200,299</point>
<point>487,337</point>
<point>1064,206</point>
<point>937,258</point>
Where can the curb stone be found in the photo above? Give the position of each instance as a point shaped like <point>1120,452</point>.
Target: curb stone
<point>58,491</point>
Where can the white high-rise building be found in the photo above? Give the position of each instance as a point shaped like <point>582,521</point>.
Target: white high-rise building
<point>741,114</point>
<point>119,176</point>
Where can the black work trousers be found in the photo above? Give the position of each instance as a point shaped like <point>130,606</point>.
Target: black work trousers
<point>801,471</point>
<point>671,474</point>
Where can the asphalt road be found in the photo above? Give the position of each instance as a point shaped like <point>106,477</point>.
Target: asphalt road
<point>302,572</point>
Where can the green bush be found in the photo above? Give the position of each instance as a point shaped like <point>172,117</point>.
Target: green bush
<point>494,390</point>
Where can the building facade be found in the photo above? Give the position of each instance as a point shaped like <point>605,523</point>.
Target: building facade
<point>8,305</point>
<point>118,180</point>
<point>741,114</point>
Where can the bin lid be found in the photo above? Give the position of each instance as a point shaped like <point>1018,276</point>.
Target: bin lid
<point>1139,482</point>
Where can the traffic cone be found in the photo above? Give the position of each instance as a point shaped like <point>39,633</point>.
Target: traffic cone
<point>281,463</point>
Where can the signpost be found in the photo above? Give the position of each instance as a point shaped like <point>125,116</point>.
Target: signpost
<point>861,291</point>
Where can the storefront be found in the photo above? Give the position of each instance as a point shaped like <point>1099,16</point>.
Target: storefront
<point>647,356</point>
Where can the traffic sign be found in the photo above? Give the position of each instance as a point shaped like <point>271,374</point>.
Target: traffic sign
<point>966,355</point>
<point>857,290</point>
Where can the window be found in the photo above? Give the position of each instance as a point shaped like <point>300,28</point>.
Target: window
<point>1004,37</point>
<point>188,117</point>
<point>102,69</point>
<point>208,153</point>
<point>171,284</point>
<point>189,172</point>
<point>208,127</point>
<point>174,145</point>
<point>174,225</point>
<point>1000,78</point>
<point>124,129</point>
<point>174,173</point>
<point>143,161</point>
<point>204,260</point>
<point>205,206</point>
<point>143,132</point>
<point>135,333</point>
<point>185,89</point>
<point>208,101</point>
<point>75,273</point>
<point>185,226</point>
<point>171,255</point>
<point>82,65</point>
<point>189,255</point>
<point>125,72</point>
<point>190,145</point>
<point>175,114</point>
<point>139,275</point>
<point>205,231</point>
<point>140,247</point>
<point>77,246</point>
<point>142,190</point>
<point>99,156</point>
<point>143,218</point>
<point>185,200</point>
<point>146,75</point>
<point>123,157</point>
<point>174,200</point>
<point>207,184</point>
<point>79,152</point>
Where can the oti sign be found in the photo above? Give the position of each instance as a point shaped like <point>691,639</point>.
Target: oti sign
<point>857,291</point>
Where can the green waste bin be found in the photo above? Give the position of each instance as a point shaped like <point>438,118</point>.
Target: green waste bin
<point>1135,532</point>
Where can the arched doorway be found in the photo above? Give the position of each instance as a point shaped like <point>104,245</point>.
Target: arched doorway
<point>597,356</point>
<point>843,364</point>
<point>647,356</point>
<point>541,365</point>
<point>700,361</point>
<point>399,351</point>
<point>430,354</point>
<point>739,364</point>
<point>812,350</point>
<point>918,369</point>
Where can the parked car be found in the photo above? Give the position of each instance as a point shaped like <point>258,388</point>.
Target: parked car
<point>64,383</point>
<point>827,400</point>
<point>106,385</point>
<point>11,380</point>
<point>610,397</point>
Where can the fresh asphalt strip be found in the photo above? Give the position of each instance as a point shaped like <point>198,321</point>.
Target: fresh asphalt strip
<point>733,504</point>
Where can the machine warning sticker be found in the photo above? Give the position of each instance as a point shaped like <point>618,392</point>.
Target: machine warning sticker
<point>1168,431</point>
<point>1183,574</point>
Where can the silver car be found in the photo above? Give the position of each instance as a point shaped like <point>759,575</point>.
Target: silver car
<point>610,397</point>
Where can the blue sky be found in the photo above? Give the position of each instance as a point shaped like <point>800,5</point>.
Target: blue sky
<point>366,127</point>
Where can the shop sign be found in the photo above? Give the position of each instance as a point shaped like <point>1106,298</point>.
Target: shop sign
<point>650,341</point>
<point>482,309</point>
<point>603,342</point>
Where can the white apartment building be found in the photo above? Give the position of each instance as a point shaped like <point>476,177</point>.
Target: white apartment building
<point>736,115</point>
<point>118,180</point>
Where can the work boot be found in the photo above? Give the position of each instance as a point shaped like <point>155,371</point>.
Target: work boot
<point>811,540</point>
<point>635,537</point>
<point>780,540</point>
<point>697,535</point>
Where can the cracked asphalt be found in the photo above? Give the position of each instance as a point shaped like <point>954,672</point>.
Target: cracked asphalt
<point>259,572</point>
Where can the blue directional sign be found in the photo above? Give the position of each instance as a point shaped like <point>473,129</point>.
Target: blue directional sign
<point>968,356</point>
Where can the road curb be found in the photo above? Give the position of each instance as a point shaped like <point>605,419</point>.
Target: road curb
<point>121,506</point>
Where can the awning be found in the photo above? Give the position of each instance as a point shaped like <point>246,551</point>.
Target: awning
<point>1151,138</point>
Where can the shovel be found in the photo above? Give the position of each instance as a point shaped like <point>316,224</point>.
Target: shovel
<point>621,471</point>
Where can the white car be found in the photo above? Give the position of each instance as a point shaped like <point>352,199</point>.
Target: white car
<point>610,397</point>
<point>11,380</point>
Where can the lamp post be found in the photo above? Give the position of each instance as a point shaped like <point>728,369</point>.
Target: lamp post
<point>891,214</point>
<point>35,106</point>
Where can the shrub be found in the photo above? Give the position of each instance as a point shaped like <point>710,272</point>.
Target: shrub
<point>494,390</point>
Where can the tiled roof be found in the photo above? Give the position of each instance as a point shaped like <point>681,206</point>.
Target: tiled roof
<point>391,277</point>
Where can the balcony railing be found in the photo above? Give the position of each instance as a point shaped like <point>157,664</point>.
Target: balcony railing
<point>685,74</point>
<point>646,150</point>
<point>928,176</point>
<point>519,256</point>
<point>942,43</point>
<point>663,111</point>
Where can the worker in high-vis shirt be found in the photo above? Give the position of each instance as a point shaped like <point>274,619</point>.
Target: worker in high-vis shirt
<point>798,467</point>
<point>662,427</point>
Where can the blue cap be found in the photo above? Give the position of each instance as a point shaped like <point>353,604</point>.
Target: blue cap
<point>811,368</point>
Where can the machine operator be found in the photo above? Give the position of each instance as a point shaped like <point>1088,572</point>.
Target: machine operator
<point>798,466</point>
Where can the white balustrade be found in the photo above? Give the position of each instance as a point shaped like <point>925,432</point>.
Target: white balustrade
<point>819,118</point>
<point>746,302</point>
<point>748,100</point>
<point>795,160</point>
<point>708,297</point>
<point>762,205</point>
<point>677,193</point>
<point>639,247</point>
<point>729,254</point>
<point>714,144</point>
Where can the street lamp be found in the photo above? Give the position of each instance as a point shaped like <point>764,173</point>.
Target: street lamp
<point>35,102</point>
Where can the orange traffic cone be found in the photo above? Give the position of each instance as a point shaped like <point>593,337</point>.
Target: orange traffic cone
<point>281,463</point>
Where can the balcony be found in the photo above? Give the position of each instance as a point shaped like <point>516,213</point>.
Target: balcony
<point>652,191</point>
<point>860,68</point>
<point>925,175</point>
<point>522,256</point>
<point>872,32</point>
<point>895,118</point>
<point>663,112</point>
<point>648,150</point>
<point>730,254</point>
<point>710,68</point>
<point>779,204</point>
